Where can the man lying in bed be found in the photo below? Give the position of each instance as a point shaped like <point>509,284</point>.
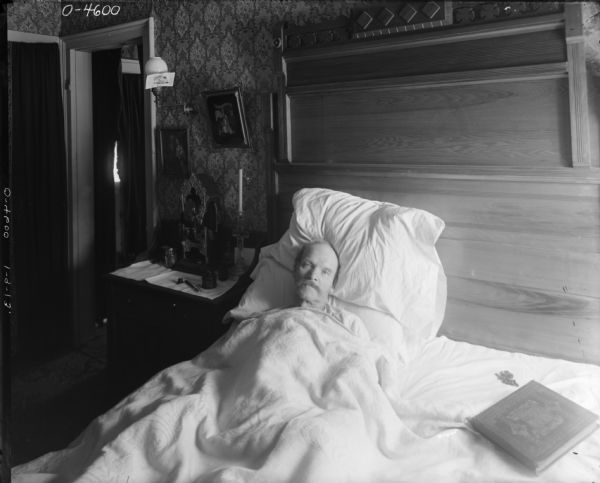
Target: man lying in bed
<point>294,394</point>
<point>315,273</point>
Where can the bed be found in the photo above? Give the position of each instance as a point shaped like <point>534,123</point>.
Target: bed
<point>293,395</point>
<point>459,184</point>
<point>353,433</point>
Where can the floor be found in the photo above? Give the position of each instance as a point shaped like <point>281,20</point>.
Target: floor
<point>54,400</point>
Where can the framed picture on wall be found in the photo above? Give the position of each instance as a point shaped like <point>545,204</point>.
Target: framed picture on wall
<point>227,118</point>
<point>173,150</point>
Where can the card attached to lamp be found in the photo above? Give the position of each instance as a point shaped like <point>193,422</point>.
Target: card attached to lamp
<point>164,79</point>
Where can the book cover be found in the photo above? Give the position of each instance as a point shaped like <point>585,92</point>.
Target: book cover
<point>535,424</point>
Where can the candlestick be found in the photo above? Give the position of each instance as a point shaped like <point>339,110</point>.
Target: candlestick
<point>240,234</point>
<point>240,193</point>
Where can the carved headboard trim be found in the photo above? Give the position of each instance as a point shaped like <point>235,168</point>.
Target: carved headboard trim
<point>426,38</point>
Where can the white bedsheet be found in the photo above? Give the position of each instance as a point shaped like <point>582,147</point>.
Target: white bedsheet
<point>295,396</point>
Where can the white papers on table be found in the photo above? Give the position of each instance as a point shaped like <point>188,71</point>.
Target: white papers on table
<point>169,280</point>
<point>141,270</point>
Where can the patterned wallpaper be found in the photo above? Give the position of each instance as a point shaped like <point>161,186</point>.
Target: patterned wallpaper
<point>34,16</point>
<point>221,44</point>
<point>212,45</point>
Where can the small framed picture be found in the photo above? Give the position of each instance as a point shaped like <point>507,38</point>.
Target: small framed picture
<point>173,149</point>
<point>227,118</point>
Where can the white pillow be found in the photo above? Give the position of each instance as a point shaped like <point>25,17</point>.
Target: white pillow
<point>388,261</point>
<point>273,286</point>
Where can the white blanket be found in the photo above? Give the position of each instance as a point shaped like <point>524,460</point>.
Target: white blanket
<point>295,396</point>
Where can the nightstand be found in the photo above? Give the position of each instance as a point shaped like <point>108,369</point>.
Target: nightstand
<point>152,327</point>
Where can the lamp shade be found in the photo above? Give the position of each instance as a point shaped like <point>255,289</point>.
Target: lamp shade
<point>155,65</point>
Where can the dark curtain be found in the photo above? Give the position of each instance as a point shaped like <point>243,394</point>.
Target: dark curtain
<point>131,163</point>
<point>106,106</point>
<point>40,199</point>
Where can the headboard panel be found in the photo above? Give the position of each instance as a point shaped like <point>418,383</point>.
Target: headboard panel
<point>521,257</point>
<point>490,150</point>
<point>491,123</point>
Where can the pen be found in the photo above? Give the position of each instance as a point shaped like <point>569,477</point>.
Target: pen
<point>190,284</point>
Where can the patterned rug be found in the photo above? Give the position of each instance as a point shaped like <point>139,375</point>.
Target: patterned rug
<point>53,402</point>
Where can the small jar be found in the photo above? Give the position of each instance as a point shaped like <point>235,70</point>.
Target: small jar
<point>209,280</point>
<point>169,257</point>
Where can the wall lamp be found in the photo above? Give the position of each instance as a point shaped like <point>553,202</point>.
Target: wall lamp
<point>157,75</point>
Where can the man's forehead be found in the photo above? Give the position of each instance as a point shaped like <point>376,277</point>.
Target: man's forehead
<point>323,251</point>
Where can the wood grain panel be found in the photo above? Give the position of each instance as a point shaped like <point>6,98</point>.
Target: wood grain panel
<point>541,174</point>
<point>578,90</point>
<point>567,182</point>
<point>560,271</point>
<point>523,49</point>
<point>503,74</point>
<point>505,123</point>
<point>576,243</point>
<point>524,300</point>
<point>569,211</point>
<point>574,338</point>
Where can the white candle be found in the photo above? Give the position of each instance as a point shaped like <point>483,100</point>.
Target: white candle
<point>240,194</point>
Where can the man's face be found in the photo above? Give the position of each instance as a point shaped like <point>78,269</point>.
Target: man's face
<point>314,274</point>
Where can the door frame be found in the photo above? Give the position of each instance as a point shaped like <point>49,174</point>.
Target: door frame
<point>18,36</point>
<point>80,201</point>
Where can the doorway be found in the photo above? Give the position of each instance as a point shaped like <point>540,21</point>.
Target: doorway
<point>119,167</point>
<point>77,63</point>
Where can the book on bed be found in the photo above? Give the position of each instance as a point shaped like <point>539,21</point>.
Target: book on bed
<point>535,424</point>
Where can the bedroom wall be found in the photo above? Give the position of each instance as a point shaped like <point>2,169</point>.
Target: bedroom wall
<point>214,45</point>
<point>34,16</point>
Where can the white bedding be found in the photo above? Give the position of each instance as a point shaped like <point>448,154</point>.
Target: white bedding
<point>295,396</point>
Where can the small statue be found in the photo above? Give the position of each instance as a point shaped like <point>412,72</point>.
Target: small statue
<point>193,233</point>
<point>191,215</point>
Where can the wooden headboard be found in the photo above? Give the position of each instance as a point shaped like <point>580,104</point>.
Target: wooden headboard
<point>485,126</point>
